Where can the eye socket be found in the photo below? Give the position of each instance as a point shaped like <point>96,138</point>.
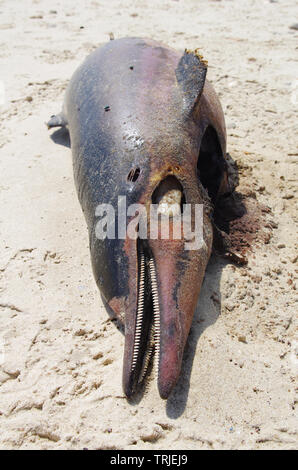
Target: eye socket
<point>133,174</point>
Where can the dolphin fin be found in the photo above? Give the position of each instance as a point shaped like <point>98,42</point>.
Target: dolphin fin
<point>191,75</point>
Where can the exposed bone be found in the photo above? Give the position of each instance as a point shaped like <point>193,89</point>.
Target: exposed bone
<point>170,203</point>
<point>168,196</point>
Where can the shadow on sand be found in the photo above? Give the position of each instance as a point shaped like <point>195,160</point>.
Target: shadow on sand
<point>61,137</point>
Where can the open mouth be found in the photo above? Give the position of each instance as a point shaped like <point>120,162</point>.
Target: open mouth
<point>168,198</point>
<point>147,325</point>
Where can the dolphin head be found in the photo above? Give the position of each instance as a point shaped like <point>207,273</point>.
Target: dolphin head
<point>164,187</point>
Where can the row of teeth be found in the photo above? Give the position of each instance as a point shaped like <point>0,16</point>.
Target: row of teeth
<point>156,313</point>
<point>154,335</point>
<point>148,354</point>
<point>140,311</point>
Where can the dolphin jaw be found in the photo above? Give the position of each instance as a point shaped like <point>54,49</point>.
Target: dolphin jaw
<point>146,336</point>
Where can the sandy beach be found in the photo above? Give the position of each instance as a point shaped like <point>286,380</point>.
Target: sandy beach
<point>60,353</point>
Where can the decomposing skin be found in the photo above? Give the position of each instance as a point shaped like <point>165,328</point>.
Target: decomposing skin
<point>146,124</point>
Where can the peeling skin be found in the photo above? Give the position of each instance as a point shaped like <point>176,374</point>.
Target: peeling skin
<point>117,306</point>
<point>151,117</point>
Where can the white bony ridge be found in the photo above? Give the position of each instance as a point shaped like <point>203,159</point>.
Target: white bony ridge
<point>156,312</point>
<point>148,354</point>
<point>140,311</point>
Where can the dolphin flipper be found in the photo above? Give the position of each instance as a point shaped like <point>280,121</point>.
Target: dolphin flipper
<point>58,120</point>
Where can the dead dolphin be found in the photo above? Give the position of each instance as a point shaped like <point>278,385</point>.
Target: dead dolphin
<point>145,123</point>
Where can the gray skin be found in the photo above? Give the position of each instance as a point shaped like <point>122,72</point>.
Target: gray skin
<point>139,113</point>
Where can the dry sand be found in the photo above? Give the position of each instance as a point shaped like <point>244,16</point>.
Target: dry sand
<point>61,356</point>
